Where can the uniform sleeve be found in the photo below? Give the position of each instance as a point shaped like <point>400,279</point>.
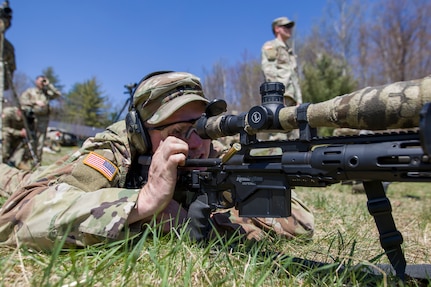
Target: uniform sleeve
<point>9,58</point>
<point>8,123</point>
<point>80,198</point>
<point>52,92</point>
<point>274,64</point>
<point>12,132</point>
<point>268,62</point>
<point>84,218</point>
<point>26,99</point>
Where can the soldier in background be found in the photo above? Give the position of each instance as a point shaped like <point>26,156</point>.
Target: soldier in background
<point>8,48</point>
<point>36,101</point>
<point>14,134</point>
<point>279,61</point>
<point>7,67</point>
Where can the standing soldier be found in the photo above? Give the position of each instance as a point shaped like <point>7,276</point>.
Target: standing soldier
<point>7,54</point>
<point>14,135</point>
<point>35,101</point>
<point>8,48</point>
<point>279,61</point>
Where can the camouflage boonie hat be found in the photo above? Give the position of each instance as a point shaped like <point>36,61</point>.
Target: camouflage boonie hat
<point>282,21</point>
<point>159,96</point>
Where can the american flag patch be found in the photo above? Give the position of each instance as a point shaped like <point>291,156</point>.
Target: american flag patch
<point>101,164</point>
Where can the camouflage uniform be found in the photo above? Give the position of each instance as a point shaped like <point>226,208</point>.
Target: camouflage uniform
<point>28,101</point>
<point>96,203</point>
<point>299,224</point>
<point>279,65</point>
<point>83,191</point>
<point>13,148</point>
<point>8,48</point>
<point>9,58</point>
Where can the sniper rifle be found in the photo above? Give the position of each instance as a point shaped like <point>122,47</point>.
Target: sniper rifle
<point>260,183</point>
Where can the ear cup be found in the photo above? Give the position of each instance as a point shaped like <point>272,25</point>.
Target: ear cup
<point>138,136</point>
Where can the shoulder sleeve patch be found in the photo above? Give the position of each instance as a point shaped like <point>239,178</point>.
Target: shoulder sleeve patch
<point>270,52</point>
<point>268,46</point>
<point>101,164</point>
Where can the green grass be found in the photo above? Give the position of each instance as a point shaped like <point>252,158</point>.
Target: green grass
<point>345,234</point>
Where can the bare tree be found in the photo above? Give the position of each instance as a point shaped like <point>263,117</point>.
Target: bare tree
<point>238,85</point>
<point>21,82</point>
<point>334,36</point>
<point>310,48</point>
<point>339,27</point>
<point>215,81</point>
<point>395,44</point>
<point>246,78</point>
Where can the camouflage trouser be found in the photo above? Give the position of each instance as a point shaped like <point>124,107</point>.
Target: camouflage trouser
<point>10,179</point>
<point>41,126</point>
<point>13,149</point>
<point>299,224</point>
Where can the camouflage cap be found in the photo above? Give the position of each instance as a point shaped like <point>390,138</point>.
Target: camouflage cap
<point>282,21</point>
<point>158,97</point>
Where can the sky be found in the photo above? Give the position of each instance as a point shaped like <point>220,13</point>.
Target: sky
<point>119,42</point>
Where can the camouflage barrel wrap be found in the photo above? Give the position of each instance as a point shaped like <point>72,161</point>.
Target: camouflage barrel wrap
<point>391,106</point>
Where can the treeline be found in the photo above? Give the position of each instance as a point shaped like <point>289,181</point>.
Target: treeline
<point>355,44</point>
<point>84,104</point>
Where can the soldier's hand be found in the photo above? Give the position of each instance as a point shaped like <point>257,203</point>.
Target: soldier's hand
<point>23,133</point>
<point>40,103</point>
<point>156,194</point>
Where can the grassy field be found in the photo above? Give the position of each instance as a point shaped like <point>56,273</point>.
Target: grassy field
<point>345,235</point>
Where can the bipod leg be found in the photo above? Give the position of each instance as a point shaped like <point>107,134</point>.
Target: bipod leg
<point>391,239</point>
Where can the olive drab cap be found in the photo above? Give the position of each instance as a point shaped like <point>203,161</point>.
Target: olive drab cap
<point>282,21</point>
<point>159,96</point>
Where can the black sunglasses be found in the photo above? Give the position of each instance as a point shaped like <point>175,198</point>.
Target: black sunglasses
<point>288,26</point>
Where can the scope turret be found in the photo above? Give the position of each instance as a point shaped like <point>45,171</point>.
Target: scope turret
<point>266,115</point>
